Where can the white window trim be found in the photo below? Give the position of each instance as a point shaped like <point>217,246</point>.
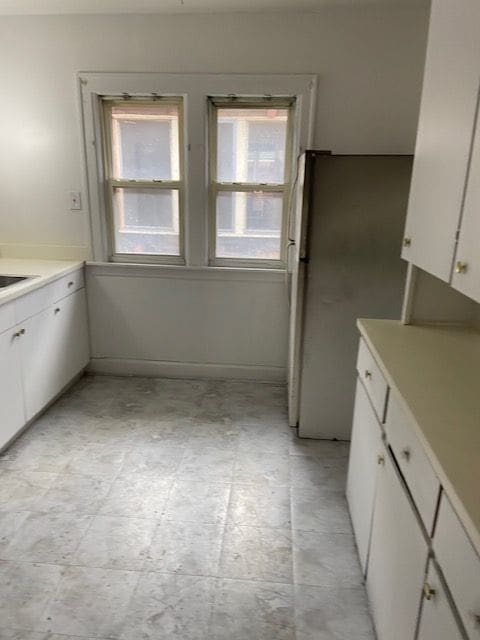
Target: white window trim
<point>194,89</point>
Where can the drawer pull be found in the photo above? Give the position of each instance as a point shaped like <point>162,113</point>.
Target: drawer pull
<point>406,454</point>
<point>20,332</point>
<point>380,459</point>
<point>407,241</point>
<point>368,374</point>
<point>428,591</point>
<point>461,267</point>
<point>71,283</point>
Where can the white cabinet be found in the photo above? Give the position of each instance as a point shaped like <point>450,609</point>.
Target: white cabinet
<point>447,116</point>
<point>54,348</point>
<point>366,445</point>
<point>397,561</point>
<point>437,620</point>
<point>466,274</point>
<point>12,417</point>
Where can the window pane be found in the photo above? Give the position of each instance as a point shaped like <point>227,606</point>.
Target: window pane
<point>256,225</point>
<point>145,143</point>
<point>146,221</point>
<point>251,145</point>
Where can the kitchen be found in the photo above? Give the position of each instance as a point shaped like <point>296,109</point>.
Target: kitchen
<point>158,477</point>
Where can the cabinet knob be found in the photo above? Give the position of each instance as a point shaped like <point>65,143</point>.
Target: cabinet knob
<point>428,591</point>
<point>368,374</point>
<point>407,241</point>
<point>57,310</point>
<point>476,618</point>
<point>461,267</point>
<point>70,284</point>
<point>380,459</point>
<point>20,332</point>
<point>405,453</point>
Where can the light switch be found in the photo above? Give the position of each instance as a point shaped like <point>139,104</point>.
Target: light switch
<point>75,199</point>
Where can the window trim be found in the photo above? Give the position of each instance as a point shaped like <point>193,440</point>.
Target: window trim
<point>214,186</point>
<point>110,183</point>
<point>194,88</point>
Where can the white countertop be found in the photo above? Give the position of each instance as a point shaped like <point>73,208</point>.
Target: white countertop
<point>436,373</point>
<point>45,271</point>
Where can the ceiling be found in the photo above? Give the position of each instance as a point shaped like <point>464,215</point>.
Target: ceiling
<point>58,7</point>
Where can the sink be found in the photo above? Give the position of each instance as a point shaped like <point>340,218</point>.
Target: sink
<point>7,281</point>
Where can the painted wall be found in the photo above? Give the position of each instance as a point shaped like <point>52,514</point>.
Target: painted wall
<point>369,61</point>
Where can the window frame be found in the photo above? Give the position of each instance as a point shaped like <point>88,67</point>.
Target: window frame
<point>194,88</point>
<point>214,186</point>
<point>110,183</point>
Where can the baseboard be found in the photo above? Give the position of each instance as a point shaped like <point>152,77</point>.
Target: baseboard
<point>164,369</point>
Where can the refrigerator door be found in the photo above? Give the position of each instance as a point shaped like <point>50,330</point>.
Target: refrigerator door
<point>297,256</point>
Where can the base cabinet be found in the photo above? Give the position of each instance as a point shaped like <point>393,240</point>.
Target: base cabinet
<point>397,561</point>
<point>366,446</point>
<point>12,416</point>
<point>437,620</point>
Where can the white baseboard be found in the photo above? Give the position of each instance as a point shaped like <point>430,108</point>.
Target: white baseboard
<point>163,369</point>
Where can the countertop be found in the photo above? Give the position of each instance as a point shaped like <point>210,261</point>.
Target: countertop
<point>45,271</point>
<point>436,373</point>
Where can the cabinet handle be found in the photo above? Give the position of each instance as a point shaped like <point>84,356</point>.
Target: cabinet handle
<point>380,459</point>
<point>428,591</point>
<point>71,283</point>
<point>407,241</point>
<point>405,454</point>
<point>20,332</point>
<point>57,310</point>
<point>461,267</point>
<point>368,374</point>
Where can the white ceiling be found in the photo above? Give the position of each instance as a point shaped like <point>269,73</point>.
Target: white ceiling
<point>57,7</point>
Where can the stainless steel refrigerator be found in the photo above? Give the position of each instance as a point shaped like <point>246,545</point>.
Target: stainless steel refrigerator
<point>344,263</point>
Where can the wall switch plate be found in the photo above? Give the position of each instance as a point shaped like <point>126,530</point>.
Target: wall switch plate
<point>75,199</point>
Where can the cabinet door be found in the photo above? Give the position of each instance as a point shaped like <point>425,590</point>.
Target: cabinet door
<point>437,620</point>
<point>72,351</point>
<point>445,130</point>
<point>397,560</point>
<point>466,274</point>
<point>12,417</point>
<point>39,361</point>
<point>366,445</point>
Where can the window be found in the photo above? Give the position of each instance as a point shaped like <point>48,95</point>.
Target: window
<point>250,167</point>
<point>193,169</point>
<point>144,177</point>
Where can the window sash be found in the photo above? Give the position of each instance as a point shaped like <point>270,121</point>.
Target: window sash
<point>112,183</point>
<point>215,186</point>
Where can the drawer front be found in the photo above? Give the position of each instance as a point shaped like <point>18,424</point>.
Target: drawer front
<point>413,462</point>
<point>68,284</point>
<point>460,565</point>
<point>437,620</point>
<point>7,316</point>
<point>372,378</point>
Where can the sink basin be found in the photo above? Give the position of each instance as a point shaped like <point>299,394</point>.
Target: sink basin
<point>7,281</point>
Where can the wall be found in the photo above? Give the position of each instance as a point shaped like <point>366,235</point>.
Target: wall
<point>369,61</point>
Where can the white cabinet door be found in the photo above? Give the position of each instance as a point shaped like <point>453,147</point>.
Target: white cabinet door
<point>39,361</point>
<point>466,274</point>
<point>446,123</point>
<point>397,560</point>
<point>437,620</point>
<point>54,348</point>
<point>366,445</point>
<point>71,337</point>
<point>12,417</point>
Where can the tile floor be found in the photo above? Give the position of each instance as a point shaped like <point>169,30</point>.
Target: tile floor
<point>142,509</point>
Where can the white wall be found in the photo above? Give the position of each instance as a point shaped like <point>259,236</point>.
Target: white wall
<point>369,61</point>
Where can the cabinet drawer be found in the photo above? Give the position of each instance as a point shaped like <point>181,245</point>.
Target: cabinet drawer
<point>67,284</point>
<point>460,565</point>
<point>36,301</point>
<point>437,620</point>
<point>372,378</point>
<point>7,316</point>
<point>412,460</point>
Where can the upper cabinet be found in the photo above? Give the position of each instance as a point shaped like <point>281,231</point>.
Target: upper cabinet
<point>466,273</point>
<point>444,139</point>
